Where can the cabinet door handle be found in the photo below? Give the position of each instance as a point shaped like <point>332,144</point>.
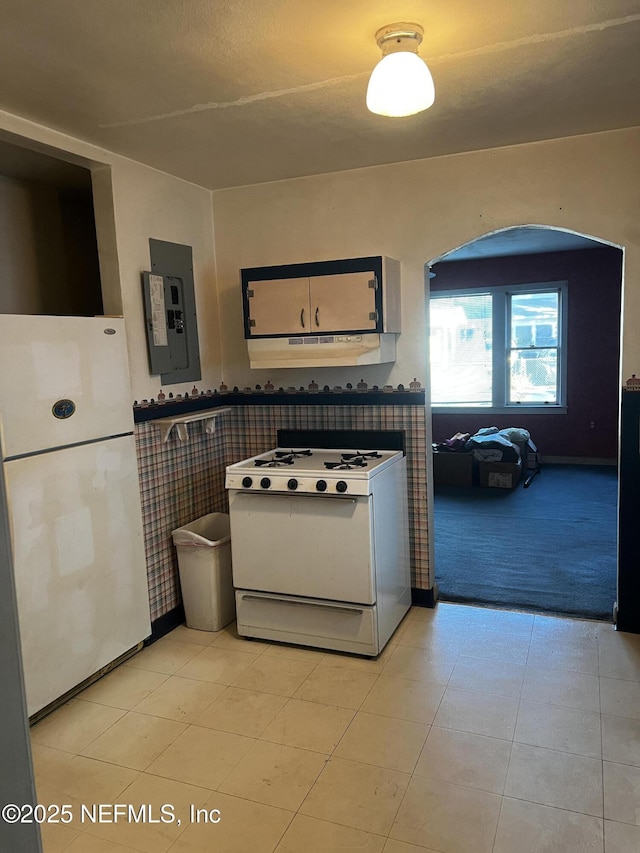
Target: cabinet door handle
<point>302,318</point>
<point>318,316</point>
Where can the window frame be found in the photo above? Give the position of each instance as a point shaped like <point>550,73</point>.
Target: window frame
<point>501,347</point>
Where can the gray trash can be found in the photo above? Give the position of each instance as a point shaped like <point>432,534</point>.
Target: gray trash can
<point>204,563</point>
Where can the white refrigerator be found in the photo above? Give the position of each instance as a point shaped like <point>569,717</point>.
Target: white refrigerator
<point>68,453</point>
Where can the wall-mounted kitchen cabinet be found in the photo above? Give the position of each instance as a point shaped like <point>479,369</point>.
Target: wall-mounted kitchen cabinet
<point>357,295</point>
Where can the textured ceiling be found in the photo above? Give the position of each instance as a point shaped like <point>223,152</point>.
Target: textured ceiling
<point>232,93</point>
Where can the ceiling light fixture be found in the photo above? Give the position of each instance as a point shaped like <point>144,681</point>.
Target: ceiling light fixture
<point>400,84</point>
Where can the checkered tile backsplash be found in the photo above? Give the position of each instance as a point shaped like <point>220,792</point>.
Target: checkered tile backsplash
<point>183,480</point>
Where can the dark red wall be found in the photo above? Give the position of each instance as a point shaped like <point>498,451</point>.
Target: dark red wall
<point>594,279</point>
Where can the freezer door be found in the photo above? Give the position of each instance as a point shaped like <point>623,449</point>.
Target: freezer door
<point>63,380</point>
<point>79,562</point>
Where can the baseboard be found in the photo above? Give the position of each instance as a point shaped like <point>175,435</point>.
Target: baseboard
<point>577,460</point>
<point>165,624</point>
<point>61,700</point>
<point>424,597</point>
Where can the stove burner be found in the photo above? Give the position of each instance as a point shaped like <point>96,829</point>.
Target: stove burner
<point>293,453</point>
<point>283,459</point>
<point>360,455</point>
<point>347,464</point>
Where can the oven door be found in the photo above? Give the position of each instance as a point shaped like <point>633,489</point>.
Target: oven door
<point>306,545</point>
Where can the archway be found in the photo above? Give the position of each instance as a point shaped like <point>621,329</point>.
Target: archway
<point>577,427</point>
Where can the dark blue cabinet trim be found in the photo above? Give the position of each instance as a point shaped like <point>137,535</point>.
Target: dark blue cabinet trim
<point>309,270</point>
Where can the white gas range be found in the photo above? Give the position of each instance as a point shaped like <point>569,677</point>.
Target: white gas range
<point>319,542</point>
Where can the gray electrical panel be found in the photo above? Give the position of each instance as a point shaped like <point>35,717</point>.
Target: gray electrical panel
<point>170,313</point>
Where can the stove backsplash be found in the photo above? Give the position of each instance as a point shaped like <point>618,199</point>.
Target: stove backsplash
<point>181,481</point>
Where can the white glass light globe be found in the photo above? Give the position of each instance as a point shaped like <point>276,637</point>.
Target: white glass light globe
<point>400,85</point>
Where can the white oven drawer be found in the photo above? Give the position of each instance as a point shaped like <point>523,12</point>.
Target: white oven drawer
<point>323,624</point>
<point>304,545</point>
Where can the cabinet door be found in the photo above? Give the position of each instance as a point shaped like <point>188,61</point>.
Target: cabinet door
<point>343,303</point>
<point>279,306</point>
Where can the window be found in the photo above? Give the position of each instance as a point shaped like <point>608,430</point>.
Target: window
<point>499,348</point>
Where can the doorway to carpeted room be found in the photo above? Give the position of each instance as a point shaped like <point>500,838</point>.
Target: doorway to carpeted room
<point>549,548</point>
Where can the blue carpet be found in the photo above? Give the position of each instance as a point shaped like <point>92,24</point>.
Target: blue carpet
<point>550,547</point>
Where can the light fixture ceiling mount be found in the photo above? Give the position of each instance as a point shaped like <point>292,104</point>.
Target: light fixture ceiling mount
<point>395,37</point>
<point>400,84</point>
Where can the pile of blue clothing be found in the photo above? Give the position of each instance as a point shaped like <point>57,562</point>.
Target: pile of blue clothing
<point>498,445</point>
<point>490,444</point>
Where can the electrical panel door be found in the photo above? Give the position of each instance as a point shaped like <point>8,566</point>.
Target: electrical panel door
<point>170,309</point>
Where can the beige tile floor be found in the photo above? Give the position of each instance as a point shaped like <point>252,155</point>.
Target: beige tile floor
<point>476,731</point>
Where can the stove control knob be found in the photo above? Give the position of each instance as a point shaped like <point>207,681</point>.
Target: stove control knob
<point>247,482</point>
<point>341,486</point>
<point>321,486</point>
<point>265,482</point>
<point>292,484</point>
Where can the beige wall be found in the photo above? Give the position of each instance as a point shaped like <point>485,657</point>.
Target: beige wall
<point>134,203</point>
<point>150,204</point>
<point>410,211</point>
<point>417,211</point>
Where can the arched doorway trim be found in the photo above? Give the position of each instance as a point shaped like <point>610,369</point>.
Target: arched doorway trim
<point>530,239</point>
<point>528,233</point>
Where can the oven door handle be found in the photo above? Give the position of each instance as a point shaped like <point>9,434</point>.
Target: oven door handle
<point>324,497</point>
<point>333,608</point>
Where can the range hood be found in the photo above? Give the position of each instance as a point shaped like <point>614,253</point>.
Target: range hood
<point>340,350</point>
